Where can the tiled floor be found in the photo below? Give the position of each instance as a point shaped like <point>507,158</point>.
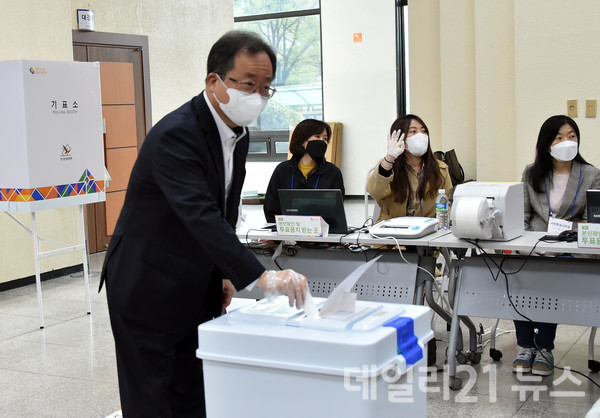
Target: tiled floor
<point>68,368</point>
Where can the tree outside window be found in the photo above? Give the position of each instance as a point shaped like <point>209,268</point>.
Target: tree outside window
<point>293,29</point>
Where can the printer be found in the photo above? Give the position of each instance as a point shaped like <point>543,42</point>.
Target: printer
<point>489,211</point>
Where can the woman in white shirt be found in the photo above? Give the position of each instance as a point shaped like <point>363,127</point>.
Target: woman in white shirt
<point>554,187</point>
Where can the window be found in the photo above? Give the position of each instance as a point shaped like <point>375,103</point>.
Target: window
<point>268,145</point>
<point>293,29</point>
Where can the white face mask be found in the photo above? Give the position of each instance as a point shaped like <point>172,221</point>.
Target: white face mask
<point>564,151</point>
<point>417,144</point>
<point>242,108</point>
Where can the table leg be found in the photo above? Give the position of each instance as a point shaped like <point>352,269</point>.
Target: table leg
<point>455,382</point>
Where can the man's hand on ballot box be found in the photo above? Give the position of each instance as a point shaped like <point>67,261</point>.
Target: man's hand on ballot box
<point>286,282</point>
<point>228,291</point>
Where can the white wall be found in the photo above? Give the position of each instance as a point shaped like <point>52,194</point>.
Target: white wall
<point>556,59</point>
<point>497,70</point>
<point>359,81</point>
<point>425,66</point>
<point>457,82</point>
<point>495,92</point>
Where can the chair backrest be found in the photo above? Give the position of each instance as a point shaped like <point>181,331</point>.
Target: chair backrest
<point>376,212</point>
<point>376,208</point>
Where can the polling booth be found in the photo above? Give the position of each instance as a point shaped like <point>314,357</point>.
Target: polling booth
<point>51,144</point>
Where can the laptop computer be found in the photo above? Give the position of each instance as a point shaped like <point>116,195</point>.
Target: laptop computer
<point>593,206</point>
<point>326,203</point>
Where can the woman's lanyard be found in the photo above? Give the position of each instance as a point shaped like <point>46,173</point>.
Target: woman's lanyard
<point>294,172</point>
<point>409,203</point>
<point>574,199</point>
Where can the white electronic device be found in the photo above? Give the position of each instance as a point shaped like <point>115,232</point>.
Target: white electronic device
<point>405,227</point>
<point>490,211</point>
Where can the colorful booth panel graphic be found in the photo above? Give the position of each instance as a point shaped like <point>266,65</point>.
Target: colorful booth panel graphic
<point>86,185</point>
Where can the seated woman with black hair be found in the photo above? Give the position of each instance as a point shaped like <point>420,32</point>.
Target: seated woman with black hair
<point>307,169</point>
<point>554,187</point>
<point>407,180</point>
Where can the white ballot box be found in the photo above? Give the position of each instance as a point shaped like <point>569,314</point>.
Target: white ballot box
<point>51,141</point>
<point>269,360</point>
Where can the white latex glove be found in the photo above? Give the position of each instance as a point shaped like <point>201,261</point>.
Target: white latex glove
<point>395,145</point>
<point>286,282</point>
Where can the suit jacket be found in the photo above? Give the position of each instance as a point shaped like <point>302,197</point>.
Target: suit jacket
<point>537,210</point>
<point>175,241</point>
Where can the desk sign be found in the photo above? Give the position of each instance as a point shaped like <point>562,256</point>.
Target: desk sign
<point>301,226</point>
<point>588,235</point>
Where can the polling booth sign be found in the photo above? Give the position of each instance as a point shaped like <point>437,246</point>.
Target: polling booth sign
<point>51,143</point>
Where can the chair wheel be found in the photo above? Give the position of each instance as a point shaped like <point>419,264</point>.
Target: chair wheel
<point>495,354</point>
<point>461,358</point>
<point>474,358</point>
<point>455,383</point>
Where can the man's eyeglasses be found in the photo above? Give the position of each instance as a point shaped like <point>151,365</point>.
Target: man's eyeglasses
<point>248,86</point>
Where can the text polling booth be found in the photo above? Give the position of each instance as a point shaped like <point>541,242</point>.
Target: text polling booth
<point>51,145</point>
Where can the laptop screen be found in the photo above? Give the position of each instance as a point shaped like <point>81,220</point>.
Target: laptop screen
<point>593,206</point>
<point>326,203</point>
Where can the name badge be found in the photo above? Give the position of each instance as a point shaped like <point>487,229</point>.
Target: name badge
<point>556,225</point>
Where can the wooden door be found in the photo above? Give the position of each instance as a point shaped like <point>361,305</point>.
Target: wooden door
<point>126,118</point>
<point>120,142</point>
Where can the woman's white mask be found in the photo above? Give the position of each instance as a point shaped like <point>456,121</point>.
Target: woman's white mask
<point>564,151</point>
<point>417,144</point>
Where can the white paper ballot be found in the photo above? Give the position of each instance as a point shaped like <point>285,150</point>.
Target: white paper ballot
<point>339,298</point>
<point>310,309</point>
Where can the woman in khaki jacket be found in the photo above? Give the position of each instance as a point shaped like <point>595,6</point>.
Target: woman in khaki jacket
<point>407,180</point>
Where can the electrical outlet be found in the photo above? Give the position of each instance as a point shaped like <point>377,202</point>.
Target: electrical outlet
<point>572,108</point>
<point>590,108</point>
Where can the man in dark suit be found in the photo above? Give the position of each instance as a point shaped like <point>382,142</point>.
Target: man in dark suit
<point>174,260</point>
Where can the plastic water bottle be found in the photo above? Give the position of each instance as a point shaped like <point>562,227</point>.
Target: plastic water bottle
<point>441,209</point>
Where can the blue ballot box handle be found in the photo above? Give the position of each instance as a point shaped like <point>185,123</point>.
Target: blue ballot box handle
<point>408,343</point>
